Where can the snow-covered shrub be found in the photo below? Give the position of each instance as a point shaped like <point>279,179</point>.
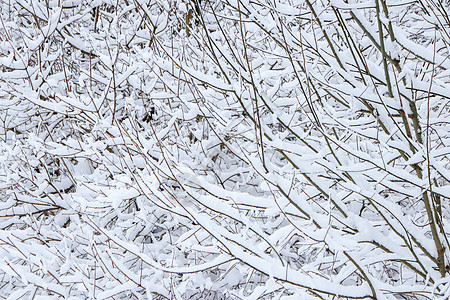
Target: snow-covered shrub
<point>224,149</point>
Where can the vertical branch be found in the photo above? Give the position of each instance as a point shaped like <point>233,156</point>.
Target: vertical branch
<point>383,50</point>
<point>434,217</point>
<point>258,126</point>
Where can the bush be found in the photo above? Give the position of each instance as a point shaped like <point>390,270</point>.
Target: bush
<point>224,149</point>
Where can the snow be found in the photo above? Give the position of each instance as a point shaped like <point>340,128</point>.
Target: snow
<point>203,150</point>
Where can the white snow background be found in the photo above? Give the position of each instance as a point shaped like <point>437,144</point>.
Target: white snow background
<point>224,149</point>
